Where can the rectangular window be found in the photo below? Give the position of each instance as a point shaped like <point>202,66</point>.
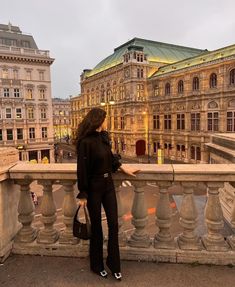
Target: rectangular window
<point>43,113</point>
<point>6,92</point>
<point>32,133</point>
<point>19,134</point>
<point>180,121</point>
<point>195,121</point>
<point>18,113</point>
<point>41,76</point>
<point>9,134</point>
<point>213,121</point>
<point>167,122</point>
<point>122,123</point>
<point>156,122</point>
<point>29,94</point>
<point>0,134</point>
<point>8,113</point>
<point>30,113</point>
<point>28,75</point>
<point>44,132</point>
<point>17,93</point>
<point>42,94</point>
<point>230,121</point>
<point>5,74</point>
<point>15,74</point>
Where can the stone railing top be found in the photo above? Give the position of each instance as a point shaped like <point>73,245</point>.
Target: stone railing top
<point>148,172</point>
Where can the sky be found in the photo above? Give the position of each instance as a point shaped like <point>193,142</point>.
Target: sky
<point>80,33</point>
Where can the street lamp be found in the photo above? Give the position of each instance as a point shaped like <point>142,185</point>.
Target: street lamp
<point>148,143</point>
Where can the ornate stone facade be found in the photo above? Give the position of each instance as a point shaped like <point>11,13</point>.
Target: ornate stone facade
<point>25,96</point>
<point>161,101</point>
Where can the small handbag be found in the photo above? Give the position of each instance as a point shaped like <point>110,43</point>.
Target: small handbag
<point>82,230</point>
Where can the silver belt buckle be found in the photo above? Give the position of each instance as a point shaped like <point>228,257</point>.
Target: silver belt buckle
<point>106,174</point>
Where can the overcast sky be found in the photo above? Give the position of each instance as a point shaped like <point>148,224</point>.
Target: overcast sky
<point>80,33</point>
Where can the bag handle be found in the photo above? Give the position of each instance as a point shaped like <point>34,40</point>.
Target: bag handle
<point>87,218</point>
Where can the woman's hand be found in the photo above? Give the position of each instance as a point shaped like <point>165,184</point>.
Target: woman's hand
<point>82,202</point>
<point>129,170</point>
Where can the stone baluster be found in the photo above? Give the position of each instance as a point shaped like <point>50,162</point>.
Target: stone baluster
<point>140,237</point>
<point>214,240</point>
<point>69,210</point>
<point>121,234</point>
<point>48,234</point>
<point>164,239</point>
<point>188,240</point>
<point>26,213</point>
<point>231,239</point>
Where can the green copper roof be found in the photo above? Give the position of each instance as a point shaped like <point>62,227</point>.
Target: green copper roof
<point>156,52</point>
<point>203,58</point>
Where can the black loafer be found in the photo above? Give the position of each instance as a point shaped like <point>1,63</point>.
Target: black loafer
<point>117,276</point>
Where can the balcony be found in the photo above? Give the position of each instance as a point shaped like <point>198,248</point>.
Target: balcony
<point>24,237</point>
<point>24,51</point>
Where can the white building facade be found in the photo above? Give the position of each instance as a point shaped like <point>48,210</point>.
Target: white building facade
<point>25,96</point>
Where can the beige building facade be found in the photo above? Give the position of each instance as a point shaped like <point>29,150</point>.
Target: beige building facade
<point>25,96</point>
<point>162,98</point>
<point>61,118</point>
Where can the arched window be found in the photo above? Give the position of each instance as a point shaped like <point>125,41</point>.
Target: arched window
<point>180,87</point>
<point>232,77</point>
<point>213,80</point>
<point>195,84</point>
<point>167,89</point>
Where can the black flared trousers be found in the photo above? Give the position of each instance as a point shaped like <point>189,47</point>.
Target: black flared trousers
<point>102,192</point>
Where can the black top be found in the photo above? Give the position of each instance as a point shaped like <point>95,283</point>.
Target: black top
<point>94,158</point>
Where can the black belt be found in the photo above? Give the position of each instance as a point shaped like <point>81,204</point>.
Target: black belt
<point>104,175</point>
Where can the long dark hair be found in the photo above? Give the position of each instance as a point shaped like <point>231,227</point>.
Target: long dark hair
<point>92,121</point>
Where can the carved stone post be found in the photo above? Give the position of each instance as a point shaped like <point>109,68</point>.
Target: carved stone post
<point>231,239</point>
<point>163,238</point>
<point>121,234</point>
<point>26,213</point>
<point>214,241</point>
<point>139,238</point>
<point>69,210</point>
<point>48,234</point>
<point>188,219</point>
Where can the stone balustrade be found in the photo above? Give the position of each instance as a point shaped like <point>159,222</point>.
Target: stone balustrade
<point>162,246</point>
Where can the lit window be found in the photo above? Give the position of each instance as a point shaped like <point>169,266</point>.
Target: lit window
<point>18,113</point>
<point>8,113</point>
<point>30,113</point>
<point>29,94</point>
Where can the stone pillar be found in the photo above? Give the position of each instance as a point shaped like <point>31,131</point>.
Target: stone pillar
<point>69,210</point>
<point>231,239</point>
<point>163,238</point>
<point>26,213</point>
<point>121,234</point>
<point>188,219</point>
<point>48,234</point>
<point>214,241</point>
<point>140,237</point>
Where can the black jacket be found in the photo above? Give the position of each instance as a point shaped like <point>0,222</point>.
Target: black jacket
<point>94,158</point>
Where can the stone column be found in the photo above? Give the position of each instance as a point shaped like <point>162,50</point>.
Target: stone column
<point>69,210</point>
<point>214,241</point>
<point>231,239</point>
<point>48,234</point>
<point>26,213</point>
<point>188,219</point>
<point>140,237</point>
<point>163,238</point>
<point>121,234</point>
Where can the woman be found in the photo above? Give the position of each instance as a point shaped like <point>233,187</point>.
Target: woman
<point>94,166</point>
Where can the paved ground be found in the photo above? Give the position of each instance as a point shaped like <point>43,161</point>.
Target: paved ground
<point>37,271</point>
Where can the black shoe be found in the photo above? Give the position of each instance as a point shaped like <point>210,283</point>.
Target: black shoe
<point>117,276</point>
<point>103,273</point>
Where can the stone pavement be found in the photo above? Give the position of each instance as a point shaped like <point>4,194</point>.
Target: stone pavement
<point>38,271</point>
